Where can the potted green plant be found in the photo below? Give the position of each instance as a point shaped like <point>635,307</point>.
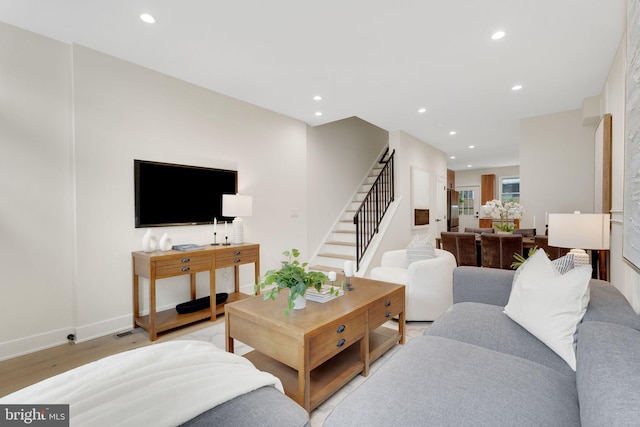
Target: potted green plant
<point>292,275</point>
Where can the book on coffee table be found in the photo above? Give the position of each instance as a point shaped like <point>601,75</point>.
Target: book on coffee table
<point>324,294</point>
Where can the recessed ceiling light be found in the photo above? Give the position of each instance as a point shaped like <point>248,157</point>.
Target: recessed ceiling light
<point>147,18</point>
<point>468,166</point>
<point>422,110</point>
<point>453,132</point>
<point>452,157</point>
<point>317,98</point>
<point>318,113</point>
<point>472,146</point>
<point>516,87</point>
<point>498,35</point>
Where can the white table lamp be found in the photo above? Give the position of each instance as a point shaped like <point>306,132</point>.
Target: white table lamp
<point>237,206</point>
<point>579,231</point>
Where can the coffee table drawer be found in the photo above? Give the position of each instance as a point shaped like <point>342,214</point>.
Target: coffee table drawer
<point>385,309</point>
<point>336,337</point>
<point>186,265</point>
<point>237,257</point>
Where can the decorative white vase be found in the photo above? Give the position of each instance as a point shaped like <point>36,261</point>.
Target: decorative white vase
<point>503,232</point>
<point>165,242</point>
<point>149,242</point>
<point>300,302</point>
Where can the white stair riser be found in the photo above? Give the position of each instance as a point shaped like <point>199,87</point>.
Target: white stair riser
<point>346,226</point>
<point>343,237</point>
<point>340,249</point>
<point>337,263</point>
<point>360,197</point>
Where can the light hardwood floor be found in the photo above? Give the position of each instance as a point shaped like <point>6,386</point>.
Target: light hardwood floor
<point>25,370</point>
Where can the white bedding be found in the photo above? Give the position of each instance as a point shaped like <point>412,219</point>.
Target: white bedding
<point>163,384</point>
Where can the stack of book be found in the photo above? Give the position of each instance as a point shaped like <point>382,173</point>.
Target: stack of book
<point>326,293</point>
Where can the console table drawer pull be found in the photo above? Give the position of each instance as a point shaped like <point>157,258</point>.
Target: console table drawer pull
<point>236,253</point>
<point>341,342</point>
<point>237,260</point>
<point>341,329</point>
<point>185,260</point>
<point>387,303</point>
<point>387,314</point>
<point>186,268</point>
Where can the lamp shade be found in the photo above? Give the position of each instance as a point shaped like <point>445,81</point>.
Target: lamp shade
<point>236,205</point>
<point>577,230</point>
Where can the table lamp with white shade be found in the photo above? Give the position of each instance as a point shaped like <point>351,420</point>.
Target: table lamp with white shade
<point>579,231</point>
<point>237,205</point>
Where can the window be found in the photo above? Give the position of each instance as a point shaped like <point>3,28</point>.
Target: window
<point>466,202</point>
<point>510,189</point>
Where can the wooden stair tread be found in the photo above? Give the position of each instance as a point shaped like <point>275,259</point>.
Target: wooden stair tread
<point>340,256</point>
<point>334,242</point>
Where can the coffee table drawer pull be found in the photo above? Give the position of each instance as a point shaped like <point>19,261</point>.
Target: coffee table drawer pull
<point>186,268</point>
<point>185,260</point>
<point>341,342</point>
<point>236,253</point>
<point>387,314</point>
<point>387,303</point>
<point>341,329</point>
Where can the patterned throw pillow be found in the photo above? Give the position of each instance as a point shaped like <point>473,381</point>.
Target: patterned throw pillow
<point>562,265</point>
<point>421,247</point>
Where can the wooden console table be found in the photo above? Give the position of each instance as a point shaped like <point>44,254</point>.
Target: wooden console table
<point>159,265</point>
<point>317,350</point>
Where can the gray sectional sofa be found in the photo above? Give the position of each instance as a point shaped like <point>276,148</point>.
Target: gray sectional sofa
<point>476,367</point>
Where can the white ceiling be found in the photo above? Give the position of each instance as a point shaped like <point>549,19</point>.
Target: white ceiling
<point>380,60</point>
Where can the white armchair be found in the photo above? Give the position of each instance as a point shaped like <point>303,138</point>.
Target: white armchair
<point>428,283</point>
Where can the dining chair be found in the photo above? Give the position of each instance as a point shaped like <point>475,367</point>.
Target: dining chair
<point>498,249</point>
<point>553,252</point>
<point>462,246</point>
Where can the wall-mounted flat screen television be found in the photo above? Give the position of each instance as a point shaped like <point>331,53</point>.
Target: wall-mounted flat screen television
<point>169,194</point>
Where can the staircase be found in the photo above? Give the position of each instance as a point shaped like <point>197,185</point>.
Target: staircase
<point>342,244</point>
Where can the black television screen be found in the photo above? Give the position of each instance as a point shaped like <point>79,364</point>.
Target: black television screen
<point>169,194</point>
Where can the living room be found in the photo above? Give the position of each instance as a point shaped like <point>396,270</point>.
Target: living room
<point>75,118</point>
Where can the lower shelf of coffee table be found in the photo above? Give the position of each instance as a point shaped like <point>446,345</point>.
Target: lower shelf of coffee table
<point>332,375</point>
<point>326,379</point>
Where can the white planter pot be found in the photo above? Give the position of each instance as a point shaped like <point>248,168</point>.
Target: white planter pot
<point>300,302</point>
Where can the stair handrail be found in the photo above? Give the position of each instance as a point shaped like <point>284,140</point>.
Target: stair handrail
<point>375,204</point>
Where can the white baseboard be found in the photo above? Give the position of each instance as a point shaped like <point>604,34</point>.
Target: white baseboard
<point>33,343</point>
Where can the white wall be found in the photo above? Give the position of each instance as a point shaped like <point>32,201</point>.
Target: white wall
<point>340,155</point>
<point>73,120</point>
<point>125,112</point>
<point>410,151</point>
<point>557,165</point>
<point>36,208</point>
<point>622,274</point>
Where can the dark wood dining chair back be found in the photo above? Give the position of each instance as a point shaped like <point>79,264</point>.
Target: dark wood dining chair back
<point>553,252</point>
<point>526,232</point>
<point>462,246</point>
<point>498,249</point>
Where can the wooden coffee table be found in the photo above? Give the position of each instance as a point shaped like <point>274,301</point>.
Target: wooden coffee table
<point>317,350</point>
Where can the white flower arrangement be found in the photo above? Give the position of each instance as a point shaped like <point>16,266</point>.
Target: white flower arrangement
<point>503,211</point>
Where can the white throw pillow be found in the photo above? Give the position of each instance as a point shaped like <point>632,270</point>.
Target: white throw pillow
<point>550,305</point>
<point>421,247</point>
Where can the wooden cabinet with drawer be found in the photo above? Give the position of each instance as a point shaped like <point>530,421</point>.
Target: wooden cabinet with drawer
<point>160,265</point>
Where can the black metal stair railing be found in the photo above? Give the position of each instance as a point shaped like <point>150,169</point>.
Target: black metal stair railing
<point>372,209</point>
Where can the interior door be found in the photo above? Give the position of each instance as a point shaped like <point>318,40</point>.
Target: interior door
<point>441,205</point>
<point>469,206</point>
